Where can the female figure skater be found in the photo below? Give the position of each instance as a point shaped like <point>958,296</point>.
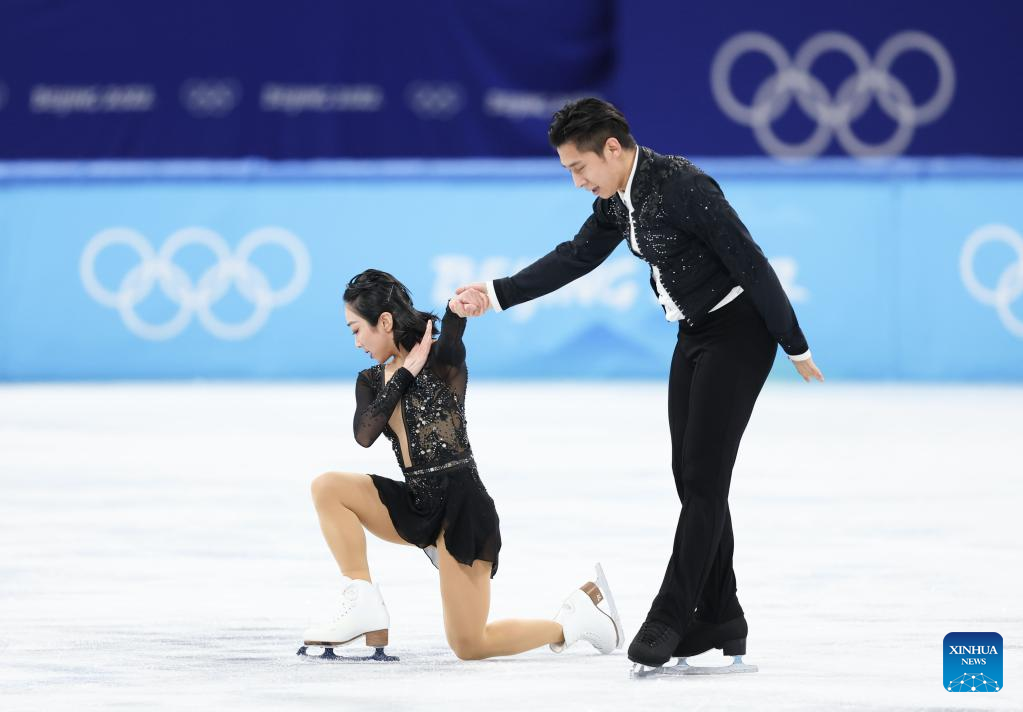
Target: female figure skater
<point>415,396</point>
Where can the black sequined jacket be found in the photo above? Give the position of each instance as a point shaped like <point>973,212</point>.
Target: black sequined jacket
<point>432,404</point>
<point>684,227</point>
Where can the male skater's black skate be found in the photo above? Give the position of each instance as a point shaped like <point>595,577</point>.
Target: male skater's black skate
<point>701,636</point>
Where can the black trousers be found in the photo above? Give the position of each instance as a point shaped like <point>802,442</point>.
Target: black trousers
<point>717,372</point>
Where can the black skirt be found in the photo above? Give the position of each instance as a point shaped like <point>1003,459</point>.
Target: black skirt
<point>452,500</point>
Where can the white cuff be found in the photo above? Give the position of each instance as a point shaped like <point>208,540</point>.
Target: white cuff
<point>805,356</point>
<point>493,297</point>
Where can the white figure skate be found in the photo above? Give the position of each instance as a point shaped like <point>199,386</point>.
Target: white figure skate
<point>362,615</point>
<point>581,617</point>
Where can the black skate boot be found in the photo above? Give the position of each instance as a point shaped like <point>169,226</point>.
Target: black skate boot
<point>701,636</point>
<point>653,644</point>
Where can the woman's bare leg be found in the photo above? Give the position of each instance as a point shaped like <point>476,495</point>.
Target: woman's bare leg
<point>465,591</point>
<point>345,503</point>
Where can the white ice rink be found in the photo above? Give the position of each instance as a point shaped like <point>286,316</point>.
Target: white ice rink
<point>159,549</point>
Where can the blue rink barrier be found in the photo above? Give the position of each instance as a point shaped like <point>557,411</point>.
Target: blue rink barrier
<point>910,269</point>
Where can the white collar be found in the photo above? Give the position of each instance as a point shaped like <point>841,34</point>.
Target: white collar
<point>627,195</point>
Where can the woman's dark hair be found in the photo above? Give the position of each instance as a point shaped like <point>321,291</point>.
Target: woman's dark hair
<point>589,123</point>
<point>371,293</point>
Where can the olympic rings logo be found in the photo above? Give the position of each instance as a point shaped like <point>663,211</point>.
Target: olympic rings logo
<point>834,115</point>
<point>435,100</point>
<point>1009,286</point>
<point>212,98</point>
<point>157,268</point>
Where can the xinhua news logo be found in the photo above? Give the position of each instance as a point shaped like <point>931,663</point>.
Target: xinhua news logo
<point>973,662</point>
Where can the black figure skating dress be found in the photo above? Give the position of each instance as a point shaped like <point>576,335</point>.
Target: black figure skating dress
<point>442,490</point>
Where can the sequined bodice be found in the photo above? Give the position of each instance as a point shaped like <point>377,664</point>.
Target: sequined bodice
<point>430,405</point>
<point>434,419</point>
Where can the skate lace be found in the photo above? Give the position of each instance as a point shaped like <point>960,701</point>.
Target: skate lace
<point>652,633</point>
<point>347,603</point>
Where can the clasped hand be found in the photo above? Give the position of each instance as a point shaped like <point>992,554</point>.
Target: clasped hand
<point>470,300</point>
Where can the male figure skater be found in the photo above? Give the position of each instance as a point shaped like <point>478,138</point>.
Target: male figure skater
<point>712,278</point>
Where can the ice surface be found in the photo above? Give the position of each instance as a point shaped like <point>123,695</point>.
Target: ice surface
<point>158,546</point>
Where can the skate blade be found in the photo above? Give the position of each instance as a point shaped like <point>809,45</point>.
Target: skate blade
<point>328,654</point>
<point>685,669</point>
<point>639,671</point>
<point>605,589</point>
<point>682,668</point>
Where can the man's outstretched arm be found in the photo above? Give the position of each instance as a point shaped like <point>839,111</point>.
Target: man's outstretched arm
<point>596,240</point>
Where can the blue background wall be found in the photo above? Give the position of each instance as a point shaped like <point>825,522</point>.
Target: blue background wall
<point>873,149</point>
<point>457,78</point>
<point>872,257</point>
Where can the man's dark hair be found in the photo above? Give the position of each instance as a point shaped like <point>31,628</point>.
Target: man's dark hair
<point>589,123</point>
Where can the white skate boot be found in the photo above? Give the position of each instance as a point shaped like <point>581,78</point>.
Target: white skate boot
<point>362,615</point>
<point>581,618</point>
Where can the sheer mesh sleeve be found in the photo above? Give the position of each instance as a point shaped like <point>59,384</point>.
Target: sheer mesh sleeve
<point>372,410</point>
<point>448,354</point>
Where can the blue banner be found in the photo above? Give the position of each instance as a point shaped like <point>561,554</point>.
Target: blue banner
<point>457,78</point>
<point>905,273</point>
<point>797,80</point>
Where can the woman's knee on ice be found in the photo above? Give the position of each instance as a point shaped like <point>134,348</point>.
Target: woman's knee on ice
<point>467,647</point>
